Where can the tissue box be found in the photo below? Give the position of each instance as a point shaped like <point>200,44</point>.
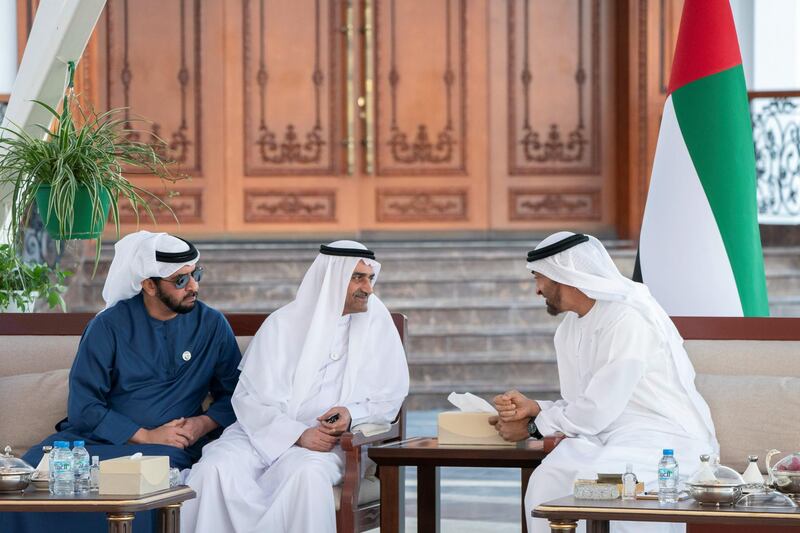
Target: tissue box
<point>124,475</point>
<point>458,427</point>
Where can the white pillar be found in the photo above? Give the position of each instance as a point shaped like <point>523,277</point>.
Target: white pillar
<point>8,44</point>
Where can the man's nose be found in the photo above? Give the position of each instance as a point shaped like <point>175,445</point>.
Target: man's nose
<point>193,284</point>
<point>367,287</point>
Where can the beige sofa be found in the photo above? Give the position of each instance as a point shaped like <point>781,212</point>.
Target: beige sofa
<point>748,370</point>
<point>36,353</point>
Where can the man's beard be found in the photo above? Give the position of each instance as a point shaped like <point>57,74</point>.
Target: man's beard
<point>552,309</point>
<point>176,307</point>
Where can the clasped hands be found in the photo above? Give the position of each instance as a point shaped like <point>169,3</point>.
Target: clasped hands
<point>514,410</point>
<point>180,433</point>
<point>325,436</point>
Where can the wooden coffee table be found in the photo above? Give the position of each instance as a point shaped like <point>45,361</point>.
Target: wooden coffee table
<point>119,509</point>
<point>564,513</point>
<point>427,455</point>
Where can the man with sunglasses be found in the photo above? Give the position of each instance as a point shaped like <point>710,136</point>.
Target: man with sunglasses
<point>144,366</point>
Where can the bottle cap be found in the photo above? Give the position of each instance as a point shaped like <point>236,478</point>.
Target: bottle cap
<point>667,451</point>
<point>61,444</point>
<point>77,443</point>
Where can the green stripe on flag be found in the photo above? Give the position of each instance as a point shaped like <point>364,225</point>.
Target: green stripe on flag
<point>714,118</point>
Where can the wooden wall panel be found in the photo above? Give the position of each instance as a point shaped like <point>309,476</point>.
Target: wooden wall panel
<point>430,121</point>
<point>292,88</point>
<point>165,63</point>
<point>552,140</point>
<point>553,87</point>
<point>421,74</point>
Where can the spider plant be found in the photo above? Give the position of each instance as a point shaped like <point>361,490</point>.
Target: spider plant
<point>76,171</point>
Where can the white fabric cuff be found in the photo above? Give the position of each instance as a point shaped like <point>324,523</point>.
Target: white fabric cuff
<point>546,419</point>
<point>359,413</point>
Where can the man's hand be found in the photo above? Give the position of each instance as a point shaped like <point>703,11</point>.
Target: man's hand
<point>197,426</point>
<point>316,440</point>
<point>512,431</point>
<point>513,406</point>
<point>172,434</point>
<point>341,425</point>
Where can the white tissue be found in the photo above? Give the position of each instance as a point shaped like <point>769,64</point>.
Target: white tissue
<point>136,456</point>
<point>470,403</point>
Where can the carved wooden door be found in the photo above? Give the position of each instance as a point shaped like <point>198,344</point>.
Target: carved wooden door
<point>349,116</point>
<point>553,114</point>
<point>346,116</point>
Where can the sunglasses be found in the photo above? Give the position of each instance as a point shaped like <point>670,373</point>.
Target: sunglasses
<point>183,280</point>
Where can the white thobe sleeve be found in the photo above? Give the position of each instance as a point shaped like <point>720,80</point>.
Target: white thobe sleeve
<point>373,412</point>
<point>627,343</point>
<point>270,430</point>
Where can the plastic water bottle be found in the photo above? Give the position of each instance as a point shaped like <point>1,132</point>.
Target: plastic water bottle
<point>61,465</point>
<point>80,467</point>
<point>51,471</point>
<point>668,478</point>
<point>629,483</point>
<point>94,474</point>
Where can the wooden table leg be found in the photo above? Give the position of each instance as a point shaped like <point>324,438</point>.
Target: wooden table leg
<point>561,525</point>
<point>390,499</point>
<point>597,526</point>
<point>120,522</point>
<point>169,518</point>
<point>525,477</point>
<point>427,499</point>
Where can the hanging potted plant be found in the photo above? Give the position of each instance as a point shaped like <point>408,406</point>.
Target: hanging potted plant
<point>74,174</point>
<point>21,284</point>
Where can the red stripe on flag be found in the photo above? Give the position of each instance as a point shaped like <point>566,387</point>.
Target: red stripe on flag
<point>707,42</point>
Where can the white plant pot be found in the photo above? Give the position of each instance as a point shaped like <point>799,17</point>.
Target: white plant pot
<point>27,307</point>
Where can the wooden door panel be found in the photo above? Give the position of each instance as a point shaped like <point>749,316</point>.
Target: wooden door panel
<point>284,111</point>
<point>291,88</point>
<point>430,123</point>
<point>552,141</point>
<point>162,61</point>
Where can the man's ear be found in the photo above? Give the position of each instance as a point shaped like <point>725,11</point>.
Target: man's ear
<point>149,286</point>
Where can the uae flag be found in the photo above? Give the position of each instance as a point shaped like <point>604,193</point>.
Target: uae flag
<point>700,249</point>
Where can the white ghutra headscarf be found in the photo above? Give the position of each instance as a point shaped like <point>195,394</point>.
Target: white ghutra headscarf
<point>584,263</point>
<point>143,255</point>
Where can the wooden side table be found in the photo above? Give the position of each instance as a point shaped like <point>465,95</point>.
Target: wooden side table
<point>119,509</point>
<point>564,514</point>
<point>427,456</point>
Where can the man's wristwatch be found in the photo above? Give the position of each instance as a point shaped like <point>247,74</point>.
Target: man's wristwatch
<point>533,431</point>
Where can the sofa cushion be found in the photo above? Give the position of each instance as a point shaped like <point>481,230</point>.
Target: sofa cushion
<point>745,357</point>
<point>26,354</point>
<point>752,415</point>
<point>32,405</point>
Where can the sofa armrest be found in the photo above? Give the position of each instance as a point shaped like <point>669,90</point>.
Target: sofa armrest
<point>551,441</point>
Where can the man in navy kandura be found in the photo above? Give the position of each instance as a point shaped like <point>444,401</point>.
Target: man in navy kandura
<point>144,366</point>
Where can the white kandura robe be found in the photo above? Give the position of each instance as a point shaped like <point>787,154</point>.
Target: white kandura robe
<point>622,402</point>
<point>239,491</point>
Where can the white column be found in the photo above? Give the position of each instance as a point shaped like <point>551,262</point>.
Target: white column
<point>8,44</point>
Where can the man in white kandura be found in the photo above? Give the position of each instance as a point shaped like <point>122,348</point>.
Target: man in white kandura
<point>330,359</point>
<point>627,384</point>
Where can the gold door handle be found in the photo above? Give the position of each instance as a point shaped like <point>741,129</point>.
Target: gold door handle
<point>349,143</point>
<point>367,102</point>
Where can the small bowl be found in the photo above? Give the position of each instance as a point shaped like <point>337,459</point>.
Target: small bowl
<point>41,485</point>
<point>14,480</point>
<point>714,494</point>
<point>787,482</point>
